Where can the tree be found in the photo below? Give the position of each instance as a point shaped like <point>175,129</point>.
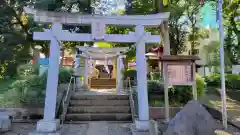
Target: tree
<point>15,36</point>
<point>212,54</point>
<point>231,9</point>
<point>193,16</point>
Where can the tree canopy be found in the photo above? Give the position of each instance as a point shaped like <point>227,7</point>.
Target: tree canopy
<point>16,28</point>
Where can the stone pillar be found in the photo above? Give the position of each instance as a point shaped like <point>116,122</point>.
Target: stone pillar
<point>86,72</point>
<point>49,124</point>
<point>114,68</point>
<point>77,72</point>
<point>120,67</point>
<point>141,65</point>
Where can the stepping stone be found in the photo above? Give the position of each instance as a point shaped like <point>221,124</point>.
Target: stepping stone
<point>98,128</point>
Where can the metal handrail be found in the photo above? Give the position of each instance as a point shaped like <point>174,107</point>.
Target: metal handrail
<point>132,103</point>
<point>64,102</point>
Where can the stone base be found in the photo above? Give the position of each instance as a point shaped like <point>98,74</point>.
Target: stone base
<point>47,128</point>
<point>142,125</point>
<point>5,124</point>
<point>37,133</point>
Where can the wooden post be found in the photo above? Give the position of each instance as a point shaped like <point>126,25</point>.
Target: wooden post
<point>165,33</point>
<point>166,100</point>
<point>184,73</point>
<point>194,85</point>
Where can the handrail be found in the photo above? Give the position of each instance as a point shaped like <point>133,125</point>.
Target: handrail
<point>132,103</point>
<point>67,97</point>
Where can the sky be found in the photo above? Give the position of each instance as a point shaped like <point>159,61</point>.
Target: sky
<point>209,17</point>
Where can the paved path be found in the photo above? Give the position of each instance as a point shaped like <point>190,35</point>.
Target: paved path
<point>233,107</point>
<point>99,128</point>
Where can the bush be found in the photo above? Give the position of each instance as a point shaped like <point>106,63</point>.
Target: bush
<point>155,86</point>
<point>232,81</point>
<point>27,70</point>
<point>31,91</point>
<point>131,73</point>
<point>64,75</point>
<point>155,75</point>
<point>179,94</point>
<point>213,80</point>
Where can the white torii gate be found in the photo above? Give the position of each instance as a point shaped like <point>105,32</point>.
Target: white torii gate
<point>98,54</point>
<point>49,124</point>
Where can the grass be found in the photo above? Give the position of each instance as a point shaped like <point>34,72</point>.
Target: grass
<point>4,84</point>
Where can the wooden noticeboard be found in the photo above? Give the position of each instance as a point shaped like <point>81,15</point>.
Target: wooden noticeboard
<point>179,74</point>
<point>178,70</point>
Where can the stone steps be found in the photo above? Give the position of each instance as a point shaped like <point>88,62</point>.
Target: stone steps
<point>99,103</point>
<point>80,96</point>
<point>103,86</point>
<point>99,108</point>
<point>103,83</point>
<point>99,117</point>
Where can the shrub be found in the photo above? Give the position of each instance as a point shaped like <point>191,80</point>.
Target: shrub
<point>213,80</point>
<point>26,70</point>
<point>64,75</point>
<point>132,73</point>
<point>155,75</point>
<point>179,94</point>
<point>232,81</point>
<point>31,90</point>
<point>155,86</point>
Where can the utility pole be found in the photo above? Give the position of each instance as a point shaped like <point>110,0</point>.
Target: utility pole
<point>222,65</point>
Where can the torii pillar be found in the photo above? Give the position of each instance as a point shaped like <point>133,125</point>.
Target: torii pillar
<point>49,124</point>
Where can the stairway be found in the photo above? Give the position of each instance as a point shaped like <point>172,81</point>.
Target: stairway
<point>103,83</point>
<point>99,108</point>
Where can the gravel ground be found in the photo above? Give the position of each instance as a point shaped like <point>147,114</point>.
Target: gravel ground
<point>70,129</point>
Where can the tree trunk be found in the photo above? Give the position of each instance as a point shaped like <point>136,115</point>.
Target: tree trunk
<point>36,56</point>
<point>62,57</point>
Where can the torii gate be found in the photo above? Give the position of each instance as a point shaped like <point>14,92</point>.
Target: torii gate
<point>98,23</point>
<point>98,54</point>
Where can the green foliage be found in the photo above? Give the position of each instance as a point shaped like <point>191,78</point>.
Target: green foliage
<point>31,89</point>
<point>155,75</point>
<point>155,86</point>
<point>232,81</point>
<point>131,73</point>
<point>177,94</point>
<point>27,70</point>
<point>65,75</point>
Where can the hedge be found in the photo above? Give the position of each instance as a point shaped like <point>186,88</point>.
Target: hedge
<point>232,81</point>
